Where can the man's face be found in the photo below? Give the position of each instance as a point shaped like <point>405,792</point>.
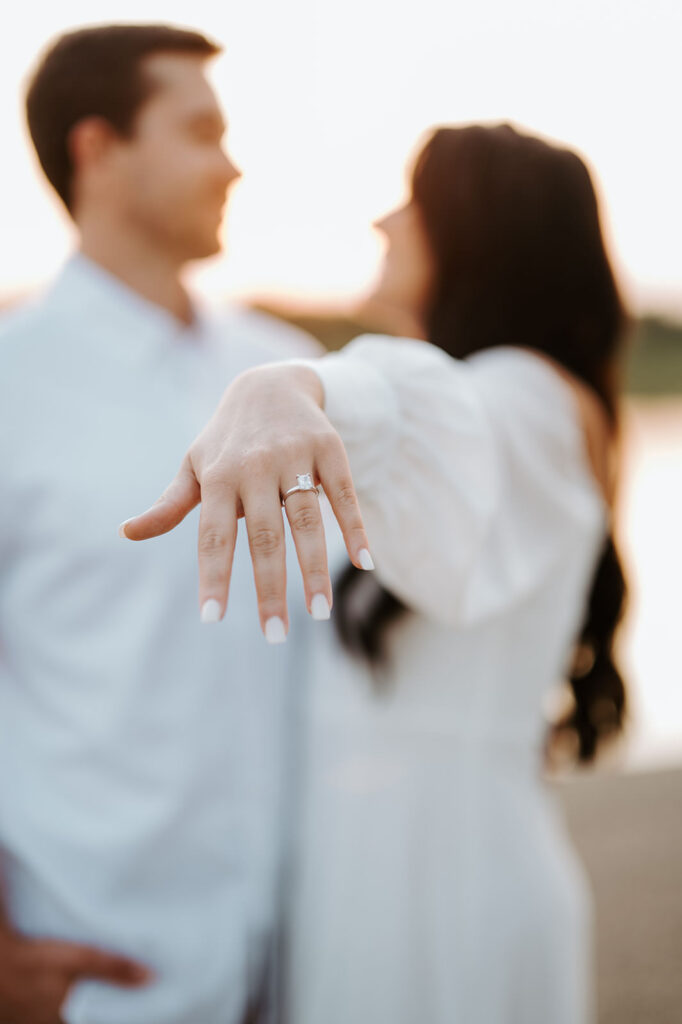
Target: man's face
<point>171,178</point>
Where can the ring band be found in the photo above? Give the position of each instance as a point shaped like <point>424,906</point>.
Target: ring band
<point>304,482</point>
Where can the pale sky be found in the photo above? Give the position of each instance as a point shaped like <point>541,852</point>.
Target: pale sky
<point>326,101</point>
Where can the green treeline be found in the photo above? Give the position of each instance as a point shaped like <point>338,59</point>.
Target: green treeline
<point>655,358</point>
<point>654,362</point>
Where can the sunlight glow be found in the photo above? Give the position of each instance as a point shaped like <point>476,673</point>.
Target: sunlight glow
<point>326,102</point>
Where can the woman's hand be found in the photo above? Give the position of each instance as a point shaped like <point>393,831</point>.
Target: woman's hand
<point>268,429</point>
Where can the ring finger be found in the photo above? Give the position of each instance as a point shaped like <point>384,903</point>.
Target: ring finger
<point>307,529</point>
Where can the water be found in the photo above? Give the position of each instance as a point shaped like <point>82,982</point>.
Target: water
<point>649,528</point>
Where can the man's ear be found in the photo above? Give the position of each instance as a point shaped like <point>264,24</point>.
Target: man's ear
<point>89,141</point>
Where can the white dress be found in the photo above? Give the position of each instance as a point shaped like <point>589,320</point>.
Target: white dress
<point>435,882</point>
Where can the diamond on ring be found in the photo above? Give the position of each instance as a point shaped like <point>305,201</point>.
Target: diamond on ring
<point>304,482</point>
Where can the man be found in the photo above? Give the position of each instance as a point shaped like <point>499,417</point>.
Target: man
<point>142,752</point>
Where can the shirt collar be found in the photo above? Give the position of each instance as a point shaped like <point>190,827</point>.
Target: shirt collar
<point>85,288</point>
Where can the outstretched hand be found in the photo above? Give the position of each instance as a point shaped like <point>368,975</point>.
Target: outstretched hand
<point>268,429</point>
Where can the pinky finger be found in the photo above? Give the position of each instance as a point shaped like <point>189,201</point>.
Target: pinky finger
<point>340,490</point>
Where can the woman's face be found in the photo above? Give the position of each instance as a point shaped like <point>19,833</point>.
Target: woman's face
<point>408,273</point>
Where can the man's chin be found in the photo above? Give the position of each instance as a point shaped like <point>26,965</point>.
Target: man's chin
<point>204,249</point>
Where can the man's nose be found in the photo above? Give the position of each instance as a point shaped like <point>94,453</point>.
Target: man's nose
<point>230,170</point>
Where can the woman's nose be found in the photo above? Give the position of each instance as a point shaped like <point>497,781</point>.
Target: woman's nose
<point>382,223</point>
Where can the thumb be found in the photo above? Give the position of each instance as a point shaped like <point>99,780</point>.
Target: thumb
<point>87,962</point>
<point>179,498</point>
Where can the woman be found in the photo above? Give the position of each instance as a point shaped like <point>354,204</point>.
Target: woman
<point>436,884</point>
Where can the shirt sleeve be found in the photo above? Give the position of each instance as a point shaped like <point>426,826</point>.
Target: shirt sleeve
<point>471,474</point>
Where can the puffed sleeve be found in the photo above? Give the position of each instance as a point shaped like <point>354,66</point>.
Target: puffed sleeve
<point>471,474</point>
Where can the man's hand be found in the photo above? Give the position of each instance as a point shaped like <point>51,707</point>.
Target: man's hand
<point>36,975</point>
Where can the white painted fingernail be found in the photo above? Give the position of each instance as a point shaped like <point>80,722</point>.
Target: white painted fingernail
<point>274,631</point>
<point>122,529</point>
<point>319,607</point>
<point>365,559</point>
<point>210,610</point>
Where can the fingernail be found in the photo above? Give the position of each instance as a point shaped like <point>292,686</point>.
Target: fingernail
<point>122,529</point>
<point>319,607</point>
<point>274,631</point>
<point>210,610</point>
<point>365,559</point>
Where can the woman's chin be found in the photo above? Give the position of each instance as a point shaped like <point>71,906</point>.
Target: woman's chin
<point>385,313</point>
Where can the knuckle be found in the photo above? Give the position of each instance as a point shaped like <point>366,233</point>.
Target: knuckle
<point>305,519</point>
<point>345,494</point>
<point>264,540</point>
<point>285,446</point>
<point>255,461</point>
<point>212,541</point>
<point>269,600</point>
<point>215,477</point>
<point>327,437</point>
<point>317,577</point>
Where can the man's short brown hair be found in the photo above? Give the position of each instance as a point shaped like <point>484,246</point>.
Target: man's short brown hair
<point>96,71</point>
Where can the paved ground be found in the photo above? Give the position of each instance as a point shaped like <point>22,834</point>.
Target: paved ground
<point>628,829</point>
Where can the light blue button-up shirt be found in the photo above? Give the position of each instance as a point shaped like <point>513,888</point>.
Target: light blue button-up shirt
<point>142,754</point>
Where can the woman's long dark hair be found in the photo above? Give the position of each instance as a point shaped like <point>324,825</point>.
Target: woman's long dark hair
<point>513,223</point>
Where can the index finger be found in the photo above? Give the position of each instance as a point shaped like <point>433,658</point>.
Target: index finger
<point>216,544</point>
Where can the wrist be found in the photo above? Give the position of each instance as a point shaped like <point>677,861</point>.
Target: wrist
<point>306,379</point>
<point>294,376</point>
